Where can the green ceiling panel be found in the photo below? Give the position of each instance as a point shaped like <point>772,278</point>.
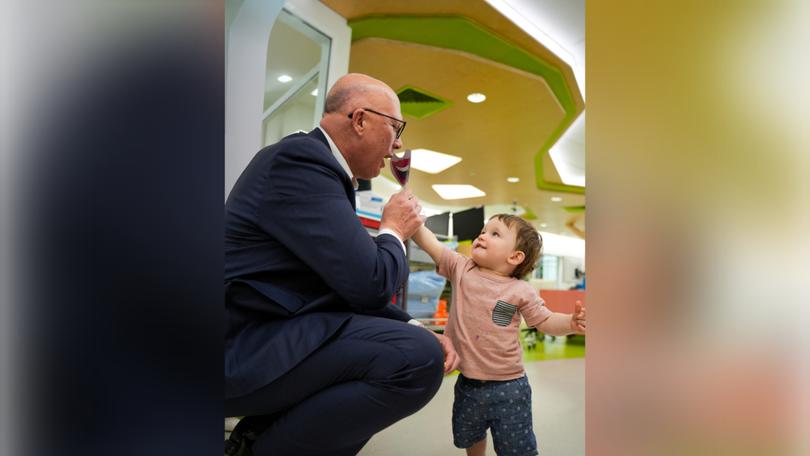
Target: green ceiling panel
<point>461,34</point>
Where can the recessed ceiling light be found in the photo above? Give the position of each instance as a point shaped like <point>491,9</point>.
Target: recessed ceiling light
<point>431,161</point>
<point>476,97</point>
<point>451,192</point>
<point>284,78</point>
<point>314,93</point>
<point>556,199</point>
<point>543,225</point>
<point>513,179</point>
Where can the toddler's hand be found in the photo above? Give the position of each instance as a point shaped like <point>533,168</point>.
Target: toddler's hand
<point>578,318</point>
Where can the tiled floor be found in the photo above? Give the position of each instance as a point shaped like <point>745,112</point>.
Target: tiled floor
<point>556,371</point>
<point>558,406</point>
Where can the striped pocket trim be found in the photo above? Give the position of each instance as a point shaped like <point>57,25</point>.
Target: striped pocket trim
<point>503,313</point>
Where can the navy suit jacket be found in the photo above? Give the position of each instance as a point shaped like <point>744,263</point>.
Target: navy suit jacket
<point>298,263</point>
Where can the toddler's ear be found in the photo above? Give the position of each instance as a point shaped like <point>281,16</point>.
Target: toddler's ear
<point>516,258</point>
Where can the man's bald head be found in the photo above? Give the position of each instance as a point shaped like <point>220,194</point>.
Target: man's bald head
<point>353,90</point>
<point>362,116</point>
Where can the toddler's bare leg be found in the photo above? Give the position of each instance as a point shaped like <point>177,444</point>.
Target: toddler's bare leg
<point>479,448</point>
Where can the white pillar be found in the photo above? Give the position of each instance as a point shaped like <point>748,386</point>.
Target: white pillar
<point>245,72</point>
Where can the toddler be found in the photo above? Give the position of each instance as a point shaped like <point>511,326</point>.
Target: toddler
<point>489,299</point>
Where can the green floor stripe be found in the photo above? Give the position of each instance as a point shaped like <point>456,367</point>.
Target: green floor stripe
<point>556,349</point>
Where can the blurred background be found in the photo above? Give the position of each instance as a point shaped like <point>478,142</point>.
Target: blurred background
<point>114,129</point>
<point>493,96</point>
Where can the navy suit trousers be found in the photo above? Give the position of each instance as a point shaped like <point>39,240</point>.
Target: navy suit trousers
<point>372,373</point>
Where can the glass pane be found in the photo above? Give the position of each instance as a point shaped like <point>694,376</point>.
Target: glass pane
<point>295,49</point>
<point>293,115</point>
<point>546,268</point>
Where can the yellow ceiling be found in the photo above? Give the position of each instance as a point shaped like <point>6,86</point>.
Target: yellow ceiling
<point>497,138</point>
<point>476,10</point>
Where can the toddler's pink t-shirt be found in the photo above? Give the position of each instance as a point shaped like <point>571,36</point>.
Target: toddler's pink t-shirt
<point>484,320</point>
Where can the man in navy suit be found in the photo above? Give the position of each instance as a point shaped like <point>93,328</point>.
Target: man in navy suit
<point>314,349</point>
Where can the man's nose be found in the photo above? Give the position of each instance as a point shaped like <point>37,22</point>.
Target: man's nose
<point>397,143</point>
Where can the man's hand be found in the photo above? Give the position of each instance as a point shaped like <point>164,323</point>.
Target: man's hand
<point>401,214</point>
<point>578,318</point>
<point>451,359</point>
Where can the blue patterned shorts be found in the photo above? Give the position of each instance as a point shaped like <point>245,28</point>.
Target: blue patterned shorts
<point>505,407</point>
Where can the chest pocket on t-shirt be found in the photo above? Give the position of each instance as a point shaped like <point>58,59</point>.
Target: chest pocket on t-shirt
<point>503,312</point>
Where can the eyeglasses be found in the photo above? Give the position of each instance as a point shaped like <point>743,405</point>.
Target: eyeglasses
<point>398,129</point>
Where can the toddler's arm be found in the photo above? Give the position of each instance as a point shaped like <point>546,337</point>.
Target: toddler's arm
<point>561,324</point>
<point>427,241</point>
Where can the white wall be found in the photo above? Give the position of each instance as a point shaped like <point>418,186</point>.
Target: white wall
<point>246,64</point>
<point>563,246</point>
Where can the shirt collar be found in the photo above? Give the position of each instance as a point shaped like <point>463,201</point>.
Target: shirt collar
<point>339,157</point>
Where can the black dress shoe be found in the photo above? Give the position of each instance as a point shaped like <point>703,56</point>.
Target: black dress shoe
<point>234,448</point>
<point>245,433</point>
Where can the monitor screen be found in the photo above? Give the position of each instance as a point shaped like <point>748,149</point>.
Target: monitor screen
<point>467,225</point>
<point>439,224</point>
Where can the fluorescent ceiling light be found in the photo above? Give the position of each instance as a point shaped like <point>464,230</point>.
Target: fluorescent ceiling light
<point>284,78</point>
<point>451,192</point>
<point>431,161</point>
<point>528,15</point>
<point>556,199</point>
<point>513,180</point>
<point>314,93</point>
<point>568,153</point>
<point>476,97</point>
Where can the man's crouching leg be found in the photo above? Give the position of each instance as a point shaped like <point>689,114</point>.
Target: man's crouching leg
<point>373,373</point>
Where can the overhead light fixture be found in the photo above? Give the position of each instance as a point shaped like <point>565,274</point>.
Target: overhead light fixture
<point>314,93</point>
<point>568,153</point>
<point>556,199</point>
<point>284,78</point>
<point>543,225</point>
<point>452,192</point>
<point>431,161</point>
<point>476,97</point>
<point>513,180</point>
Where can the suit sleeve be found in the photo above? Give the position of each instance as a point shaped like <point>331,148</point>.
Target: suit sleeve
<point>305,207</point>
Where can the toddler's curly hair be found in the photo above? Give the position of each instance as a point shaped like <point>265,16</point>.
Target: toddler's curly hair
<point>528,241</point>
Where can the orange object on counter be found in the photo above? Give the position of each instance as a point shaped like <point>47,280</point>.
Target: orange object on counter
<point>440,317</point>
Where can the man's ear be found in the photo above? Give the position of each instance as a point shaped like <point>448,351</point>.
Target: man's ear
<point>516,258</point>
<point>359,121</point>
